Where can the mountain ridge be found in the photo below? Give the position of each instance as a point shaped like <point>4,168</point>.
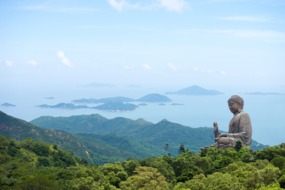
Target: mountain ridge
<point>159,134</point>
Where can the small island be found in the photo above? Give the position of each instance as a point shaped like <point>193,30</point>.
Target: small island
<point>8,105</point>
<point>154,98</point>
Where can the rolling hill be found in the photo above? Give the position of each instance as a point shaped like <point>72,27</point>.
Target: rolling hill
<point>97,149</point>
<point>159,134</point>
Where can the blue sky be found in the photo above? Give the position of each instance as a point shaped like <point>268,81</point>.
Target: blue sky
<point>218,44</point>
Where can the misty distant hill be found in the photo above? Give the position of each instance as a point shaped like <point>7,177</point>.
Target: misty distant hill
<point>8,105</point>
<point>195,90</point>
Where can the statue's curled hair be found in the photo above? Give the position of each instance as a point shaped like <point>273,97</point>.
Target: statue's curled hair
<point>237,99</point>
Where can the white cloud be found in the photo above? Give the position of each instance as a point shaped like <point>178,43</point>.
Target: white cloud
<point>33,62</point>
<point>64,60</point>
<point>9,63</point>
<point>146,67</point>
<point>173,5</point>
<point>119,5</point>
<point>244,18</point>
<point>172,67</point>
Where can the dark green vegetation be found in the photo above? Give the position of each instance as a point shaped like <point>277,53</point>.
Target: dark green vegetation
<point>96,149</point>
<point>30,164</point>
<point>195,90</point>
<point>101,140</point>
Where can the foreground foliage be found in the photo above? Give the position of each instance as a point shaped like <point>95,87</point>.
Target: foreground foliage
<point>35,165</point>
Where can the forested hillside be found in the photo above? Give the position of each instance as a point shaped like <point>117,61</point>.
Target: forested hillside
<point>101,140</point>
<point>158,135</point>
<point>97,149</point>
<point>30,164</point>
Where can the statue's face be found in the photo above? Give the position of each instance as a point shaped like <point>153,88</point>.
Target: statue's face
<point>234,107</point>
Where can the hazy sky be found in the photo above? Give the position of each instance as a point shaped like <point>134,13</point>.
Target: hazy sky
<point>218,44</point>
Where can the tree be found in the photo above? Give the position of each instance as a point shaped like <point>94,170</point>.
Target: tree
<point>115,173</point>
<point>39,182</point>
<point>279,162</point>
<point>145,178</point>
<point>281,181</point>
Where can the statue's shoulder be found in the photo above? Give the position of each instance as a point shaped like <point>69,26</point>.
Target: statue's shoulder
<point>243,114</point>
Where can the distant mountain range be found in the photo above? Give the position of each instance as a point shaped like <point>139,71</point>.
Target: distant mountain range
<point>159,134</point>
<point>195,90</point>
<point>102,140</point>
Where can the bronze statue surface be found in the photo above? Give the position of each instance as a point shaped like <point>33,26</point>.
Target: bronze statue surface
<point>240,128</point>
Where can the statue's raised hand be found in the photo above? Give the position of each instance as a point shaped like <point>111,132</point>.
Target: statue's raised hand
<point>216,127</point>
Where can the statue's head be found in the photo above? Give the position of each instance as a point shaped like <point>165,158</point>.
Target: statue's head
<point>237,99</point>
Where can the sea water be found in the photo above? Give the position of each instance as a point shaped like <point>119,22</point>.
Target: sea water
<point>266,111</point>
